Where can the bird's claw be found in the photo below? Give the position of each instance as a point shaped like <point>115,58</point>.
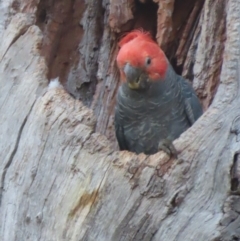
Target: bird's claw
<point>168,147</point>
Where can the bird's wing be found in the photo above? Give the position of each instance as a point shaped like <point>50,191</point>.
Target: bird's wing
<point>119,131</point>
<point>192,104</point>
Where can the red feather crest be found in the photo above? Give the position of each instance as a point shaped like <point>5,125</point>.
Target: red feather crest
<point>135,34</point>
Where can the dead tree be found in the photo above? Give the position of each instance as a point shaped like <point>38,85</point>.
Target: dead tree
<point>62,177</point>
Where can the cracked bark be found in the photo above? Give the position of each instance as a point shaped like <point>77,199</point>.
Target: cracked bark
<point>9,161</point>
<point>61,178</point>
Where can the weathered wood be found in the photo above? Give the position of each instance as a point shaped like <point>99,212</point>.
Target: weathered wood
<point>61,180</point>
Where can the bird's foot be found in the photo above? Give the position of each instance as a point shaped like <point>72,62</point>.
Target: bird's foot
<point>168,147</point>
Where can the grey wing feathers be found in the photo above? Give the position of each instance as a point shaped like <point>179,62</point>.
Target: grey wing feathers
<point>119,131</point>
<point>192,104</point>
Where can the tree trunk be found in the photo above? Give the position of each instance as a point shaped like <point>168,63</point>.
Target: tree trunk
<point>61,175</point>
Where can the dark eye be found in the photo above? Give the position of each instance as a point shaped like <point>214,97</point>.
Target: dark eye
<point>148,61</point>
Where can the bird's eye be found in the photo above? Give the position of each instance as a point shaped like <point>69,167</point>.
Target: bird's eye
<point>148,61</point>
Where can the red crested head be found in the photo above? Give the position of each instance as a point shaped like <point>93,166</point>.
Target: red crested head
<point>139,51</point>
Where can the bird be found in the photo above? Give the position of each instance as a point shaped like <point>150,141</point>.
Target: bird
<point>154,105</point>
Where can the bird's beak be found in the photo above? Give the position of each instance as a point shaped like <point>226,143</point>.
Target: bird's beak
<point>133,76</point>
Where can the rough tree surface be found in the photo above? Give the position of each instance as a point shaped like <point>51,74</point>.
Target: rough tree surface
<point>61,176</point>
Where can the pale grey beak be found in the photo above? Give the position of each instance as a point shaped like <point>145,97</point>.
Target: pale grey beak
<point>132,73</point>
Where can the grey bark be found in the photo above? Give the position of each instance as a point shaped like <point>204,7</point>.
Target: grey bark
<point>61,180</point>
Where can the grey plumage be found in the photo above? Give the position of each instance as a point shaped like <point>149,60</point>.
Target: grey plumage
<point>158,114</point>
